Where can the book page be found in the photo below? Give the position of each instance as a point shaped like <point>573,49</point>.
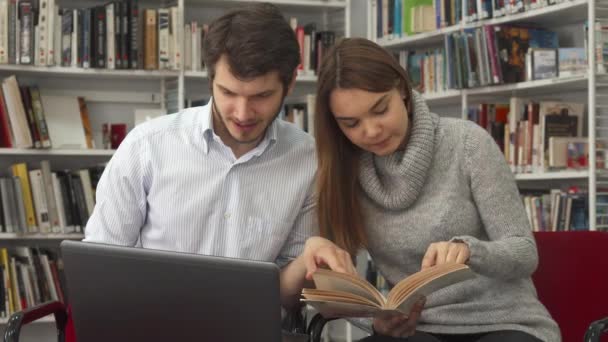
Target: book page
<point>341,282</point>
<point>404,300</point>
<point>335,309</point>
<point>333,296</point>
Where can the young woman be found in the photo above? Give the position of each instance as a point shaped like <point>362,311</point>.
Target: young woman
<point>416,190</point>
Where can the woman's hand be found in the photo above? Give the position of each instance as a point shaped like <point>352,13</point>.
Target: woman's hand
<point>446,252</point>
<point>319,251</point>
<point>399,325</point>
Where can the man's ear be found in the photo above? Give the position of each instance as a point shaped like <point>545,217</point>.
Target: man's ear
<point>292,83</point>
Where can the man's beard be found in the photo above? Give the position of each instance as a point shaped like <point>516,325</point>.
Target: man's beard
<point>220,120</point>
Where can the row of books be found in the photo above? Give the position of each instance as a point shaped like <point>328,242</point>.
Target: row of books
<point>113,36</point>
<point>31,118</point>
<point>543,64</point>
<point>492,54</point>
<point>537,136</point>
<point>559,210</point>
<point>39,200</point>
<point>397,18</point>
<point>313,45</point>
<point>499,54</point>
<point>487,56</point>
<point>29,277</point>
<point>301,113</point>
<point>427,69</point>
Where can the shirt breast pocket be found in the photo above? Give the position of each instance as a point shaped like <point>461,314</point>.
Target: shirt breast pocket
<point>263,238</point>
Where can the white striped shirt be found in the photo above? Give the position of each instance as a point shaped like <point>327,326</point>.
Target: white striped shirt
<point>173,185</point>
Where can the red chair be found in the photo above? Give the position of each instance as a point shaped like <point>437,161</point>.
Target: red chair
<point>571,281</point>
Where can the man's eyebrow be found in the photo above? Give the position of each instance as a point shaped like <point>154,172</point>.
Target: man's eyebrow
<point>263,92</point>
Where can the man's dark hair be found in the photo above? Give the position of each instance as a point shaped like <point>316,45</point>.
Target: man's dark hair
<point>256,39</point>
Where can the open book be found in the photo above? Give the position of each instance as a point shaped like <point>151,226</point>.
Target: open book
<point>344,295</point>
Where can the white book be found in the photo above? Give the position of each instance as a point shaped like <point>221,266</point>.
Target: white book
<point>177,27</point>
<point>4,31</point>
<point>306,52</point>
<point>41,43</point>
<point>50,33</point>
<point>47,180</point>
<point>87,188</point>
<point>195,45</point>
<point>36,44</point>
<point>310,112</point>
<point>110,36</point>
<point>27,284</point>
<point>17,35</point>
<point>63,120</point>
<point>163,38</point>
<point>40,204</point>
<point>57,37</point>
<point>16,113</point>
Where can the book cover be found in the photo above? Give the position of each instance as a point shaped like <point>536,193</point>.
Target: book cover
<point>572,61</point>
<point>544,63</point>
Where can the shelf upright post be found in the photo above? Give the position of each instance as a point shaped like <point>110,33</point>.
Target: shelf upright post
<point>181,87</point>
<point>591,110</point>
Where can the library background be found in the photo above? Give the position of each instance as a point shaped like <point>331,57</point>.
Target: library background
<point>77,76</point>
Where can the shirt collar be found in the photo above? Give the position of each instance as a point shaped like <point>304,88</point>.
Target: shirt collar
<point>269,140</point>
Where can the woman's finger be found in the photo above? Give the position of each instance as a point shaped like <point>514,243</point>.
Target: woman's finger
<point>429,257</point>
<point>453,253</point>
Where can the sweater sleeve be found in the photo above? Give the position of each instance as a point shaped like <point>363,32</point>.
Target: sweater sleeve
<point>509,252</point>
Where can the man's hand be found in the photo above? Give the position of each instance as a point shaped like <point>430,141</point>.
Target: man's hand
<point>446,252</point>
<point>400,325</point>
<point>319,251</point>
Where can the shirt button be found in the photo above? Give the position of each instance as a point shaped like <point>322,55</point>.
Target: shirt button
<point>226,215</point>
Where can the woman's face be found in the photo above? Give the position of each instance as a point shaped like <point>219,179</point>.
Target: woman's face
<point>376,122</point>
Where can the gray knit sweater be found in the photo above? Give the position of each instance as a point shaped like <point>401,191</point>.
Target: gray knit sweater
<point>452,183</point>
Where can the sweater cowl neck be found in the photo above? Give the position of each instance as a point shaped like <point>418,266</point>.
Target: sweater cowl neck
<point>395,181</point>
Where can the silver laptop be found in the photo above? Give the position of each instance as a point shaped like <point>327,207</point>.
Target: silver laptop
<point>134,294</point>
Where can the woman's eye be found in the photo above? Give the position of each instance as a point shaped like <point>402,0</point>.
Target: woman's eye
<point>380,111</point>
<point>351,124</point>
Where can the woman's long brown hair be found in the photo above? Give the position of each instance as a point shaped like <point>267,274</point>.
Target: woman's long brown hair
<point>351,63</point>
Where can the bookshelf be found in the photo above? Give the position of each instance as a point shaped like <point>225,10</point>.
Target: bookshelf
<point>112,95</point>
<point>567,19</point>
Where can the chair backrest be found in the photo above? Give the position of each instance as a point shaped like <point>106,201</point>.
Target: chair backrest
<point>572,279</point>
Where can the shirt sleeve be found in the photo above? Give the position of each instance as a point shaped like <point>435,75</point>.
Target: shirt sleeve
<point>509,252</point>
<point>120,208</point>
<point>305,226</point>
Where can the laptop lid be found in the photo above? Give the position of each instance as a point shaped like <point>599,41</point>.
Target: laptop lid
<point>134,294</point>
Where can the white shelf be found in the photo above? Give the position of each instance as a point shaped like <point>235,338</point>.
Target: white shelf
<point>530,88</point>
<point>81,72</point>
<point>19,236</point>
<point>426,38</point>
<point>55,152</point>
<point>566,12</point>
<point>452,96</point>
<point>291,3</point>
<point>557,175</point>
<point>203,75</point>
<point>45,319</point>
